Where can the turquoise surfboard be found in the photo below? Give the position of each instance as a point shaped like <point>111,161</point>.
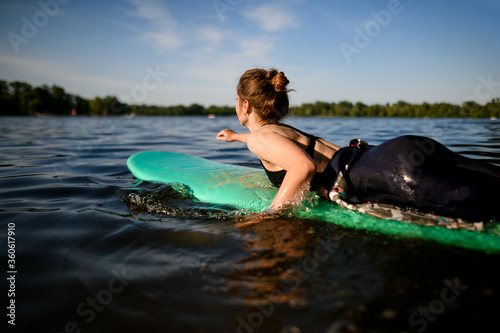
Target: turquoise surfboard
<point>208,181</point>
<point>248,189</point>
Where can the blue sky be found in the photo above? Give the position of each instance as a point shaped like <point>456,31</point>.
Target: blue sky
<point>168,52</point>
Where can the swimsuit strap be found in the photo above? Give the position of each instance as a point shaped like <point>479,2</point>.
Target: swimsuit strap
<point>312,138</point>
<point>276,177</point>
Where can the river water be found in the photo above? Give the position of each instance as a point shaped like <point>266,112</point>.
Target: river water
<point>82,258</point>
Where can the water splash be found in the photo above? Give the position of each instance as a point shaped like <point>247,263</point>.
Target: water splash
<point>173,199</point>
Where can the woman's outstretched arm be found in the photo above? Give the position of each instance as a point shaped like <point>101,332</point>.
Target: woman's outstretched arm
<point>230,136</point>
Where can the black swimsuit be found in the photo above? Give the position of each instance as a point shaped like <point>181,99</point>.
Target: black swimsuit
<point>410,172</point>
<point>320,178</point>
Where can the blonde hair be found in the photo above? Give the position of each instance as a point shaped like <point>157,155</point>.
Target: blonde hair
<point>266,91</point>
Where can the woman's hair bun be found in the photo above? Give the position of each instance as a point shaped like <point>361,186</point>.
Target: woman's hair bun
<point>266,91</point>
<point>277,79</point>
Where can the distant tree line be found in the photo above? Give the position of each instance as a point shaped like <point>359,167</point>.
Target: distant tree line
<point>181,110</point>
<point>468,109</point>
<point>20,98</point>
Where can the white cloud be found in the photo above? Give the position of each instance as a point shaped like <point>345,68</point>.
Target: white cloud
<point>164,36</point>
<point>229,56</point>
<point>272,18</point>
<point>161,41</point>
<point>219,56</point>
<point>256,48</point>
<point>211,41</point>
<point>210,38</point>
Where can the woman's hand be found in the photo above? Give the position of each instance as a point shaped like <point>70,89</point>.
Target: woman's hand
<point>230,136</point>
<point>226,135</point>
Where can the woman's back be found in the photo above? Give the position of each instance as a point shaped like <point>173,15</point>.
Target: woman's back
<point>315,147</point>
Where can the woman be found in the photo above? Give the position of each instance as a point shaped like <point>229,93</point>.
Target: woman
<point>408,171</point>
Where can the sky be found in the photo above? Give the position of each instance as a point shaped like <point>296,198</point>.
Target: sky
<point>166,52</point>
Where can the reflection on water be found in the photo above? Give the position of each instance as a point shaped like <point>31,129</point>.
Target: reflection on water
<point>278,262</point>
<point>167,263</point>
